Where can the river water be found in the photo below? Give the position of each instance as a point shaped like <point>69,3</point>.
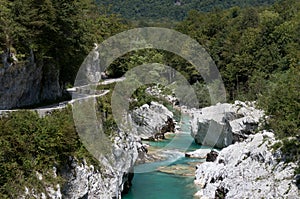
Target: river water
<point>176,182</point>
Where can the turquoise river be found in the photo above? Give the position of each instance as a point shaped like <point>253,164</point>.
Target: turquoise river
<point>150,183</point>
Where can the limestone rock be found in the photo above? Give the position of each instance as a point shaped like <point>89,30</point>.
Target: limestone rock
<point>210,126</point>
<point>115,175</point>
<point>248,169</point>
<point>150,121</point>
<point>223,124</point>
<point>28,84</point>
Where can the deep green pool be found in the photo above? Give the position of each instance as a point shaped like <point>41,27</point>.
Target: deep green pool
<point>148,183</point>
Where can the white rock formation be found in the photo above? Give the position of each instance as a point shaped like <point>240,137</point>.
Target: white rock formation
<point>83,181</point>
<point>149,120</point>
<point>222,124</point>
<point>115,176</point>
<point>247,169</point>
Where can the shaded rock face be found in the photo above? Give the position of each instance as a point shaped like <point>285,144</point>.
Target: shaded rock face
<point>211,156</point>
<point>223,124</point>
<point>50,86</point>
<point>248,169</point>
<point>127,178</point>
<point>169,126</point>
<point>221,193</point>
<point>152,122</point>
<point>28,84</point>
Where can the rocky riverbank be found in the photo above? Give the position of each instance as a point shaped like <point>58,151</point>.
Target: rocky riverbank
<point>83,181</point>
<point>247,166</point>
<point>249,169</point>
<point>106,180</point>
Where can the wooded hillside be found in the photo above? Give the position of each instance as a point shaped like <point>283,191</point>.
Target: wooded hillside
<point>172,9</point>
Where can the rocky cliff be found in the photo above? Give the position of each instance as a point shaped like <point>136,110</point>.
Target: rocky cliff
<point>248,169</point>
<point>28,83</point>
<point>223,124</point>
<point>83,181</point>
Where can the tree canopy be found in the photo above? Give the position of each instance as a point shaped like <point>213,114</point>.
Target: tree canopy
<point>248,44</point>
<point>61,32</point>
<point>172,9</point>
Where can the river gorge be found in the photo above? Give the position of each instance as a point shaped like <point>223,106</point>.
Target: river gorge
<point>172,177</point>
<point>178,166</point>
<point>243,161</point>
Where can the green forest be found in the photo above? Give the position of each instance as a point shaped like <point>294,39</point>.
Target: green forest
<point>172,9</point>
<point>255,44</point>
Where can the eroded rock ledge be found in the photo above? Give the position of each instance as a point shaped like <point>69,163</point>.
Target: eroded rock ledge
<point>247,166</point>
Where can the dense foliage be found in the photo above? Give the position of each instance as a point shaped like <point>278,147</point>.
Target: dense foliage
<point>57,32</point>
<point>282,103</point>
<point>31,144</point>
<point>172,9</point>
<point>248,44</point>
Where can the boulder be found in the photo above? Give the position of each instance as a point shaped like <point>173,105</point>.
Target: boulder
<point>152,121</point>
<point>223,124</point>
<point>210,126</point>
